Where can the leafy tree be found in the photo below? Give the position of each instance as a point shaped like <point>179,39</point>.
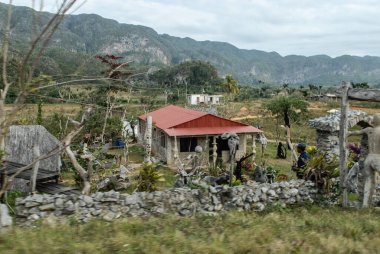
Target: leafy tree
<point>289,108</point>
<point>56,124</point>
<point>363,85</point>
<point>95,122</point>
<point>191,75</point>
<point>312,87</point>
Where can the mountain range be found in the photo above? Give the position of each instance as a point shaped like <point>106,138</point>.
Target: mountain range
<point>83,36</point>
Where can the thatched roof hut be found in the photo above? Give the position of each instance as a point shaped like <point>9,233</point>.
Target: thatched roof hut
<point>20,141</point>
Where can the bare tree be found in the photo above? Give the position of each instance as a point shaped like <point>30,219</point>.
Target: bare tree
<point>24,81</point>
<point>28,63</point>
<point>27,84</point>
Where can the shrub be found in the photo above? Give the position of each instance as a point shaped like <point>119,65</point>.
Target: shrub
<point>321,171</point>
<point>149,178</point>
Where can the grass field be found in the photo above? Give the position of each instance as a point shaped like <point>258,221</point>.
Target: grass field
<point>309,229</point>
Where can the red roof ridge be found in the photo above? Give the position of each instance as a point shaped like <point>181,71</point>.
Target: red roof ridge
<point>173,117</point>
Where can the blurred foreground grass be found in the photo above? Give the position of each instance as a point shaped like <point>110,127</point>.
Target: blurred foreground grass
<point>310,229</point>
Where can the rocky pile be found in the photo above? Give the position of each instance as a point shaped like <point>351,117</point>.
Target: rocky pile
<point>182,201</point>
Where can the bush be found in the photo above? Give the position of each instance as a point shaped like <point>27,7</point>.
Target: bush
<point>149,178</point>
<point>11,197</point>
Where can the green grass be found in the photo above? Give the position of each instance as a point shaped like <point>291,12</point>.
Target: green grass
<point>170,177</point>
<point>298,230</point>
<point>269,158</point>
<point>136,154</point>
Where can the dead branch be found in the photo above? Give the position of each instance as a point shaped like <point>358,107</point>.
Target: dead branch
<point>85,175</point>
<point>66,142</point>
<point>38,44</point>
<point>118,67</point>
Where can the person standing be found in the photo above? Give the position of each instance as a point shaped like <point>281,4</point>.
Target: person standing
<point>303,158</point>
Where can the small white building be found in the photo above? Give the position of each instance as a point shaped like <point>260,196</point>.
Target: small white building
<point>196,99</point>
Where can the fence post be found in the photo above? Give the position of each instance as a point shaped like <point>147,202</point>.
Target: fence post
<point>343,131</point>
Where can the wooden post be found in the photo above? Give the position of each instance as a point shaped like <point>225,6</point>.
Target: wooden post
<point>232,162</point>
<point>294,156</point>
<point>343,130</point>
<point>253,148</point>
<point>33,177</point>
<point>290,144</point>
<point>175,148</point>
<point>207,150</point>
<point>214,151</point>
<point>148,139</point>
<point>108,112</point>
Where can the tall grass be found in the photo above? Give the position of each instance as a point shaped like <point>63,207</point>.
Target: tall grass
<point>299,230</point>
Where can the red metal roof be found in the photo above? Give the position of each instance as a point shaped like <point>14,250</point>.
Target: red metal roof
<point>178,121</point>
<point>171,115</point>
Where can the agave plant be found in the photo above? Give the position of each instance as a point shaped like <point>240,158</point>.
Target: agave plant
<point>149,178</point>
<point>321,171</point>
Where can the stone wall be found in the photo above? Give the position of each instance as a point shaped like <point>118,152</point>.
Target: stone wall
<point>328,130</point>
<point>182,201</point>
<point>328,142</point>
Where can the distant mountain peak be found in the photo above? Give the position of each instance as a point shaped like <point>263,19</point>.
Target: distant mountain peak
<point>90,34</point>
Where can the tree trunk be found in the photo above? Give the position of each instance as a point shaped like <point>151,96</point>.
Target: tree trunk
<point>108,113</point>
<point>290,145</point>
<point>292,151</point>
<point>80,170</point>
<point>2,124</point>
<point>86,187</point>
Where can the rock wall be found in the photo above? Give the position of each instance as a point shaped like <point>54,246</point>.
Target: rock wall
<point>182,201</point>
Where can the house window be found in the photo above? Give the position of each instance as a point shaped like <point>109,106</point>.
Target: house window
<point>163,139</point>
<point>187,144</point>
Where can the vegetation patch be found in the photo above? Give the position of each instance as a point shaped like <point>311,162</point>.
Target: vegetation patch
<point>297,230</point>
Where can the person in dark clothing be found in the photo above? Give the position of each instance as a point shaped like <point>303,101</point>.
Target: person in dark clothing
<point>281,151</point>
<point>239,165</point>
<point>303,158</point>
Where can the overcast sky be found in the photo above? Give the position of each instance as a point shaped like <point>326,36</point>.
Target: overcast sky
<point>302,27</point>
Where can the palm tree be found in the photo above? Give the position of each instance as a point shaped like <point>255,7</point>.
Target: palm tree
<point>231,85</point>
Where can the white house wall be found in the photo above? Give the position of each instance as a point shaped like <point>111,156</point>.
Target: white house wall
<point>203,98</point>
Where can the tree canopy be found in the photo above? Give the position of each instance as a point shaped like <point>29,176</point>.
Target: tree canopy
<point>290,108</point>
<point>194,74</point>
<point>231,85</point>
